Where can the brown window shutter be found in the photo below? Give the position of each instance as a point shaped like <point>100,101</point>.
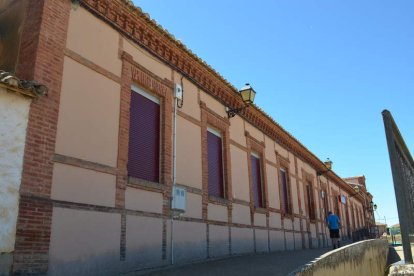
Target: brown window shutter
<point>144,138</point>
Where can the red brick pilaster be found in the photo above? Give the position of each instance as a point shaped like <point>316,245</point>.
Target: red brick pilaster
<point>123,138</point>
<point>40,59</point>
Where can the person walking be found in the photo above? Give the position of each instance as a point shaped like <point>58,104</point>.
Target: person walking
<point>334,223</point>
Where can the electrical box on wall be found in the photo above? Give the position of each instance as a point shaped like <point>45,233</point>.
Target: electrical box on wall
<point>178,91</point>
<point>179,200</point>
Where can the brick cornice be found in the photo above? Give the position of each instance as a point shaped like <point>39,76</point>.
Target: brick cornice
<point>129,20</point>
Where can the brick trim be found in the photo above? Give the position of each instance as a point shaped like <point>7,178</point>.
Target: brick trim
<point>274,210</point>
<point>189,118</point>
<point>190,189</point>
<point>283,163</point>
<point>134,73</point>
<point>270,163</point>
<point>146,185</point>
<point>210,118</point>
<point>237,145</point>
<point>253,145</point>
<point>91,65</point>
<point>44,201</point>
<point>308,178</point>
<point>80,163</point>
<point>241,202</point>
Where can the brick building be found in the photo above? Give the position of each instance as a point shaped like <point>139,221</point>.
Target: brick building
<point>107,144</point>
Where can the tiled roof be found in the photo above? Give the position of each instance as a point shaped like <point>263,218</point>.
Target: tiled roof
<point>27,88</point>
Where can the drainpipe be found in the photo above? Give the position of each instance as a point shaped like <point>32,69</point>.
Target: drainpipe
<point>174,176</point>
<point>178,103</point>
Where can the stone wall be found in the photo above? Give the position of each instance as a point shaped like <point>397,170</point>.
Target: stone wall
<point>362,258</point>
<point>14,111</point>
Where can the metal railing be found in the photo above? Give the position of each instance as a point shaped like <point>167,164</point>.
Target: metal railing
<point>365,234</point>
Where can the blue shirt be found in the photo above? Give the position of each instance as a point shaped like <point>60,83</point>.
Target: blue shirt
<point>333,221</point>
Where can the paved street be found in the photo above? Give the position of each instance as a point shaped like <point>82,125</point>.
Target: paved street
<point>277,263</point>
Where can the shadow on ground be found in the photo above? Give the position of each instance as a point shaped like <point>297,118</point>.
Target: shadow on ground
<point>393,257</point>
<point>274,264</point>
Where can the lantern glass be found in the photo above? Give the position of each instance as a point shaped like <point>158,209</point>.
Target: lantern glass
<point>247,93</point>
<point>328,164</point>
<point>375,207</point>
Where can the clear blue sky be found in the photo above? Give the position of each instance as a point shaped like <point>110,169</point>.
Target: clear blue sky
<point>323,69</point>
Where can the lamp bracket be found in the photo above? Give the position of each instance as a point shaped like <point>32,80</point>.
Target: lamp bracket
<point>321,172</point>
<point>353,195</point>
<point>231,112</point>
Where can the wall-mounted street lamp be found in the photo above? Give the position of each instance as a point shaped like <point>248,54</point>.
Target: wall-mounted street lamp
<point>247,94</point>
<point>356,189</point>
<point>328,165</point>
<point>373,207</point>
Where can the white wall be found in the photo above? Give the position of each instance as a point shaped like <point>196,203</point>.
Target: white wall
<point>14,111</point>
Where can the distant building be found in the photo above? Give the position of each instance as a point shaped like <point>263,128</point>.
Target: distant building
<point>382,227</point>
<point>360,188</point>
<point>91,171</point>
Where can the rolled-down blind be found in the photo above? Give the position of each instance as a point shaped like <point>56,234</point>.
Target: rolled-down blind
<point>215,165</point>
<point>144,138</point>
<point>257,182</point>
<point>285,192</point>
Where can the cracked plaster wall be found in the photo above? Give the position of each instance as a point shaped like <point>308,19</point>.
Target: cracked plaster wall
<point>14,110</point>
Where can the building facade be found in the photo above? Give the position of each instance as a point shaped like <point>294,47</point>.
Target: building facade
<point>107,144</point>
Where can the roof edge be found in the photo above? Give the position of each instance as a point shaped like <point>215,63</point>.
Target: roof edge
<point>26,88</point>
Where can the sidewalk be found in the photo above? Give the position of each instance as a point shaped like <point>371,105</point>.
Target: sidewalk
<point>275,263</point>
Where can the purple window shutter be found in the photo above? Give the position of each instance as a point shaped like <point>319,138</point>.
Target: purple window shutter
<point>257,183</point>
<point>144,138</point>
<point>215,165</point>
<point>310,201</point>
<point>284,197</point>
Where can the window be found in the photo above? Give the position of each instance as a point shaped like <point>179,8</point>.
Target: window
<point>325,202</point>
<point>311,202</point>
<point>353,217</point>
<point>337,198</point>
<point>144,136</point>
<point>256,181</point>
<point>285,198</point>
<point>215,163</point>
<point>357,217</point>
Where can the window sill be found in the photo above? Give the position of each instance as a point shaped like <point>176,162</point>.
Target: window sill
<point>288,216</point>
<point>260,210</point>
<point>145,185</point>
<point>218,200</point>
<point>240,202</point>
